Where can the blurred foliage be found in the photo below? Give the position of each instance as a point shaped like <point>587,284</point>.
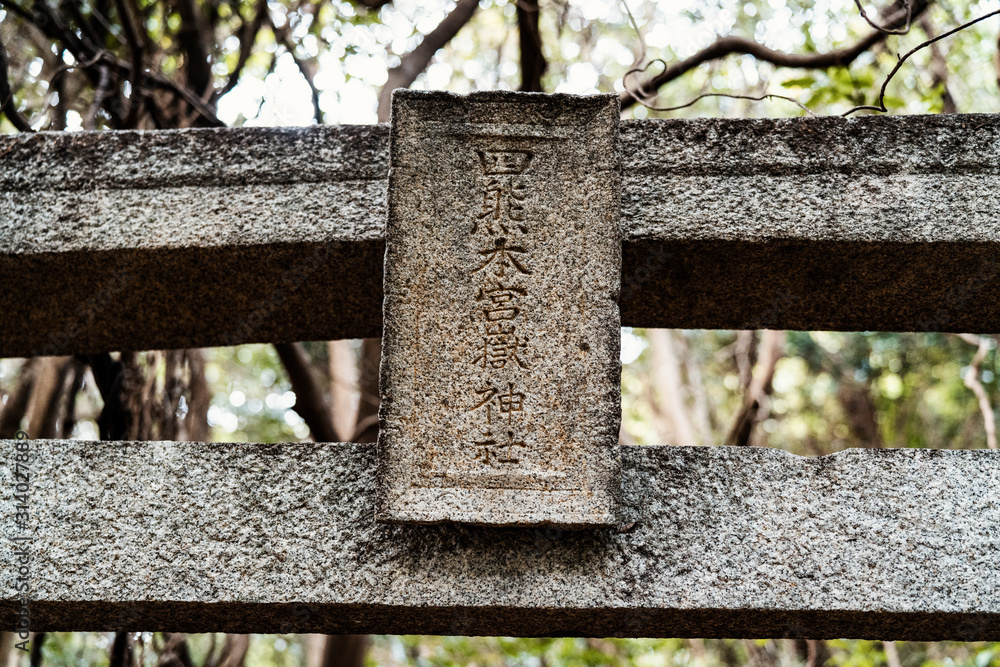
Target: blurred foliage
<point>589,45</point>
<point>915,383</point>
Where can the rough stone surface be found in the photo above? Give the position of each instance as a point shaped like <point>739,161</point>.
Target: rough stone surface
<point>186,238</point>
<point>204,237</point>
<point>885,223</point>
<point>714,542</point>
<point>500,376</point>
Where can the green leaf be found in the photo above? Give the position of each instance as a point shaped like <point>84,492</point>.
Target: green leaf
<point>801,82</point>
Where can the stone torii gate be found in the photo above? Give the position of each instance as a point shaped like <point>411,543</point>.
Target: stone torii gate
<point>505,214</point>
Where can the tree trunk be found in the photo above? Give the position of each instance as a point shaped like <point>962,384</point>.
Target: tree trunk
<point>669,385</point>
<point>343,388</point>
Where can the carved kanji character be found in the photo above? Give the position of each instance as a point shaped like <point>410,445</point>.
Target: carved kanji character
<point>502,204</point>
<point>500,345</point>
<point>511,402</point>
<point>498,452</point>
<point>487,395</point>
<point>500,298</point>
<point>502,257</point>
<point>504,162</point>
<point>507,404</point>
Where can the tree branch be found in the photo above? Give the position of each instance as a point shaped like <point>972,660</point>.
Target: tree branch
<point>731,45</point>
<point>309,401</point>
<point>58,86</point>
<point>533,64</point>
<point>195,45</point>
<point>770,350</point>
<point>7,103</point>
<point>366,429</point>
<point>135,101</point>
<point>283,36</point>
<point>250,31</point>
<point>115,420</point>
<point>939,70</point>
<point>416,61</point>
<point>90,120</point>
<point>887,29</point>
<point>971,380</point>
<point>90,58</point>
<point>899,63</point>
<point>17,405</point>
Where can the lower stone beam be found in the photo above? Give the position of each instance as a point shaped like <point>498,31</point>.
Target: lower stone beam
<point>715,542</point>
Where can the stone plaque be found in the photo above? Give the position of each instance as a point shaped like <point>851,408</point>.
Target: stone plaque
<point>500,378</point>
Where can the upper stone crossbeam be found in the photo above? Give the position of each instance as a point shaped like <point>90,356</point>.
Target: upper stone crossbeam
<point>157,240</point>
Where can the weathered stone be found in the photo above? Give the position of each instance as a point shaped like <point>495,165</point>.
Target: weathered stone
<point>749,542</point>
<point>500,376</point>
<point>188,238</point>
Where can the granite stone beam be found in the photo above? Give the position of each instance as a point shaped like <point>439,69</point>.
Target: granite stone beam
<point>715,542</point>
<point>139,240</point>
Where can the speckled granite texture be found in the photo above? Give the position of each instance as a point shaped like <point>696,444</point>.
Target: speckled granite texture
<point>205,237</point>
<point>887,544</point>
<point>500,377</point>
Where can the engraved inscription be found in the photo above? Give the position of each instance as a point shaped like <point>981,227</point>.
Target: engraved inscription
<point>502,286</point>
<point>500,321</point>
<point>502,257</point>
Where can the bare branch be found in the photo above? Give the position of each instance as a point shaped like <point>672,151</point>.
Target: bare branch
<point>248,38</point>
<point>195,44</point>
<point>971,380</point>
<point>309,400</point>
<point>135,102</point>
<point>57,85</point>
<point>939,70</point>
<point>889,31</point>
<point>17,9</point>
<point>100,93</point>
<point>89,58</point>
<point>284,36</point>
<point>734,96</point>
<point>416,61</point>
<point>17,406</point>
<point>771,349</point>
<point>533,64</point>
<point>732,45</point>
<point>7,103</point>
<point>899,63</point>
